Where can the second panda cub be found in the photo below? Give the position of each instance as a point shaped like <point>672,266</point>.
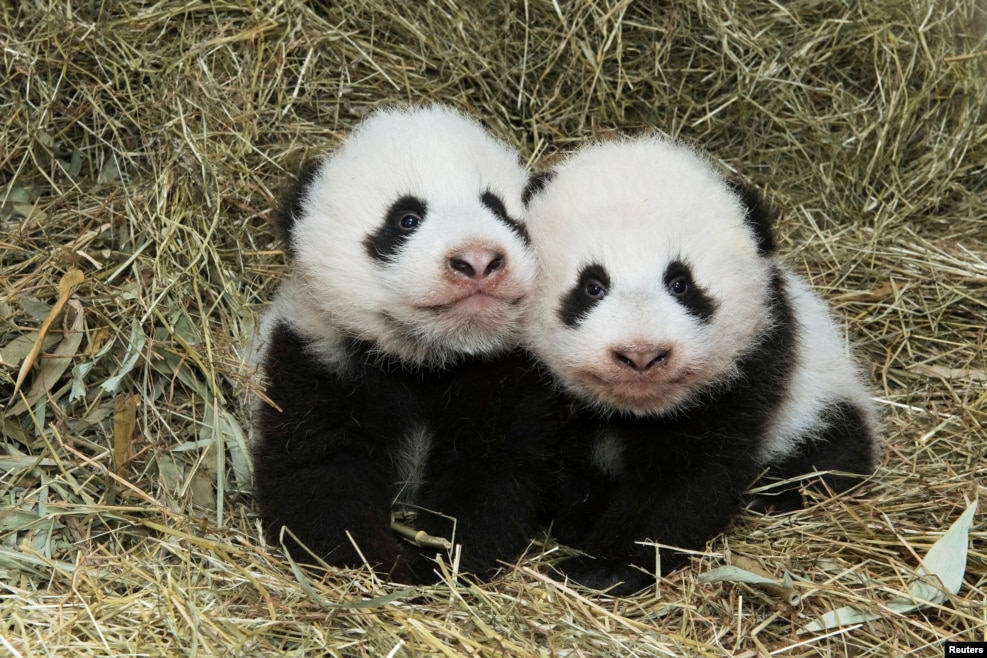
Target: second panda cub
<point>695,359</point>
<point>387,353</point>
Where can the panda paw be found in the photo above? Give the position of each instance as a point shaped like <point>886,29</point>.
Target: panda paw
<point>614,577</point>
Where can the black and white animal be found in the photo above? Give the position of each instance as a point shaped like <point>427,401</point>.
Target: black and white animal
<point>389,357</point>
<point>695,358</point>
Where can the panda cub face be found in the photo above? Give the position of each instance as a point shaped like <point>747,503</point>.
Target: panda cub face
<point>407,238</point>
<point>653,280</point>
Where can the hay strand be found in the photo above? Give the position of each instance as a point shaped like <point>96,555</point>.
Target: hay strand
<point>142,145</point>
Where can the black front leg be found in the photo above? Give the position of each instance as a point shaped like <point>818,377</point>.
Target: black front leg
<point>494,443</point>
<point>683,511</point>
<point>337,503</point>
<point>614,576</point>
<point>322,460</point>
<point>494,491</point>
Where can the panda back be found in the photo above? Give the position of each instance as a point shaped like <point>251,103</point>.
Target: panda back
<point>825,379</point>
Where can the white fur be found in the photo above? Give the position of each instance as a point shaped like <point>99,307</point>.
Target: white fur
<point>824,371</point>
<point>608,455</point>
<point>410,308</point>
<point>635,207</point>
<point>410,460</point>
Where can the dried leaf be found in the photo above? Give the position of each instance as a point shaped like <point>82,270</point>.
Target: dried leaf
<point>124,424</point>
<point>201,488</point>
<point>941,571</point>
<point>81,370</point>
<point>17,350</point>
<point>67,285</point>
<point>235,441</point>
<point>14,462</point>
<point>935,370</point>
<point>783,589</point>
<point>54,365</point>
<point>945,563</point>
<point>134,348</point>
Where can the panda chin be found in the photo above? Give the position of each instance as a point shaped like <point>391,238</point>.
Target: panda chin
<point>476,326</point>
<point>438,335</point>
<point>475,313</point>
<point>633,396</point>
<point>644,406</point>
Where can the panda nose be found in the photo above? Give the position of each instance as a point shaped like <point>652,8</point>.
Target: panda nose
<point>641,360</point>
<point>477,263</point>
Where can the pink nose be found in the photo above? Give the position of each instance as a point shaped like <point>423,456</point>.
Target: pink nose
<point>477,263</point>
<point>642,360</point>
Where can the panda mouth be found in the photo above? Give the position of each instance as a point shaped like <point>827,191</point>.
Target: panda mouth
<point>636,388</point>
<point>478,299</point>
<point>639,386</point>
<point>638,396</point>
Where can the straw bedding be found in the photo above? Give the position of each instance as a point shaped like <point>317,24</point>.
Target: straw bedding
<point>142,145</point>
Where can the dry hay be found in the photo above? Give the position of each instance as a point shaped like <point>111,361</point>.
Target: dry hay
<point>142,144</point>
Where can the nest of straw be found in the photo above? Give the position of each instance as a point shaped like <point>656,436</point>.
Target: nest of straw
<point>142,146</point>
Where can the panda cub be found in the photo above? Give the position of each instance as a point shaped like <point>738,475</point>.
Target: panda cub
<point>388,353</point>
<point>694,358</point>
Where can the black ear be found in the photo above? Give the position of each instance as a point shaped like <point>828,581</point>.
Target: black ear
<point>536,183</point>
<point>292,200</point>
<point>760,216</point>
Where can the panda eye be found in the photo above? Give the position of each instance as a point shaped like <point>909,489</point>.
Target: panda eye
<point>409,221</point>
<point>595,290</point>
<point>679,285</point>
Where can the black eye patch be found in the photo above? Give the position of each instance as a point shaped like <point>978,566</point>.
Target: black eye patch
<point>401,220</point>
<point>679,284</point>
<point>590,289</point>
<point>496,205</point>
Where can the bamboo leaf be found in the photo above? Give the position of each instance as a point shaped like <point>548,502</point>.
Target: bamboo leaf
<point>941,571</point>
<point>134,348</point>
<point>783,588</point>
<point>124,424</point>
<point>67,285</point>
<point>54,365</point>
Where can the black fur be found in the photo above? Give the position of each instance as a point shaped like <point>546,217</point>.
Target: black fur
<point>684,476</point>
<point>325,462</point>
<point>576,304</point>
<point>496,205</point>
<point>292,201</point>
<point>760,216</point>
<point>837,448</point>
<point>384,243</point>
<point>694,299</point>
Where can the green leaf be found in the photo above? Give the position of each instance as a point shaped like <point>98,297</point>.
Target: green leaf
<point>940,573</point>
<point>134,348</point>
<point>783,588</point>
